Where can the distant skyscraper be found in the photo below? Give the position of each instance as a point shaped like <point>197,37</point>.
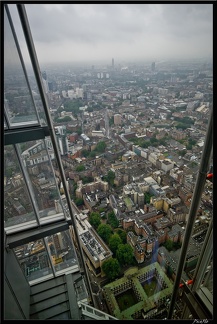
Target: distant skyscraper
<point>106,123</point>
<point>117,119</point>
<point>113,63</point>
<point>44,75</point>
<point>62,139</point>
<point>153,66</point>
<point>45,81</point>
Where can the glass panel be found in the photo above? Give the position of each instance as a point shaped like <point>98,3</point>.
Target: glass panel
<point>18,101</point>
<point>208,278</point>
<point>28,65</point>
<point>34,260</point>
<point>62,252</point>
<point>5,124</point>
<point>42,181</point>
<point>18,209</point>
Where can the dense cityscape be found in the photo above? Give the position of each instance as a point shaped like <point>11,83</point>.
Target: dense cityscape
<point>108,161</point>
<point>130,137</point>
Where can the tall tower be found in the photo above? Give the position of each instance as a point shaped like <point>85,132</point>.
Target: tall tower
<point>113,63</point>
<point>62,139</point>
<point>106,123</point>
<point>117,119</point>
<point>45,81</point>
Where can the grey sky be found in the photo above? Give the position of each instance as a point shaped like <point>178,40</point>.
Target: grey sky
<point>91,32</point>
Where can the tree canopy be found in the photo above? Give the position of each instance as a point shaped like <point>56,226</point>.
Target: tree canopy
<point>122,234</point>
<point>114,242</point>
<point>100,147</point>
<point>80,168</point>
<point>111,267</point>
<point>105,232</point>
<point>95,219</point>
<point>79,201</point>
<point>124,254</point>
<point>110,177</point>
<point>169,245</point>
<point>112,220</point>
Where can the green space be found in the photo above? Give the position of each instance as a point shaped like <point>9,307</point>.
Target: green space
<point>150,287</point>
<point>126,299</point>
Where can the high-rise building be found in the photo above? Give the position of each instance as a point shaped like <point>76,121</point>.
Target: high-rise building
<point>45,273</point>
<point>45,81</point>
<point>113,63</point>
<point>62,139</point>
<point>107,123</point>
<point>117,119</point>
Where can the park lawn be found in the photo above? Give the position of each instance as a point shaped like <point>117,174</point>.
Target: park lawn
<point>126,300</point>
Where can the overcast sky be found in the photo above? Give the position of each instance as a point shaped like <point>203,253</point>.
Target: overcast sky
<point>91,32</point>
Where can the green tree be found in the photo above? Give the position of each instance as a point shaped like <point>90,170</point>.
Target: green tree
<point>79,201</point>
<point>168,245</point>
<point>90,109</point>
<point>79,131</point>
<point>147,197</point>
<point>111,267</point>
<point>111,121</point>
<point>80,168</point>
<point>189,147</point>
<point>192,141</point>
<point>73,105</point>
<point>112,220</point>
<point>85,153</point>
<point>153,140</point>
<point>100,147</point>
<point>125,254</point>
<point>92,154</point>
<point>9,172</point>
<point>105,232</point>
<point>122,234</point>
<point>62,120</point>
<point>114,241</point>
<point>87,179</point>
<point>95,220</point>
<point>181,152</point>
<point>110,177</point>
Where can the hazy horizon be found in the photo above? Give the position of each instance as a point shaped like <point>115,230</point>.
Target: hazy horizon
<point>90,33</point>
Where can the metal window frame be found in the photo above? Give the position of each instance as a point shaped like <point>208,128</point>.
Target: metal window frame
<point>35,65</point>
<point>37,122</point>
<point>198,190</point>
<point>20,135</point>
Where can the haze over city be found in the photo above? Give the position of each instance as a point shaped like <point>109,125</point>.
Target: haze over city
<point>108,161</point>
<point>131,32</point>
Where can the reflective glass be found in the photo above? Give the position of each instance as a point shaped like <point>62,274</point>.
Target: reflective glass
<point>18,101</point>
<point>5,124</point>
<point>28,65</point>
<point>18,209</point>
<point>42,181</point>
<point>62,252</point>
<point>34,260</point>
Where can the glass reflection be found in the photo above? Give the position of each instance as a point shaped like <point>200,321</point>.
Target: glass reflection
<point>42,181</point>
<point>34,260</point>
<point>18,101</point>
<point>17,204</point>
<point>5,125</point>
<point>62,252</point>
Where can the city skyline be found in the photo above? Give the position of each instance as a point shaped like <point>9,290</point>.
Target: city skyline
<point>125,32</point>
